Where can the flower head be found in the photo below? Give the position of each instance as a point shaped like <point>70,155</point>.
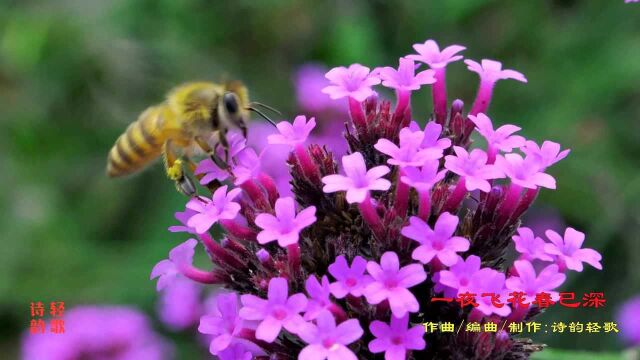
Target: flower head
<point>437,243</point>
<point>293,134</point>
<point>355,82</point>
<point>395,338</point>
<point>209,211</point>
<point>183,217</point>
<point>319,296</point>
<point>327,341</point>
<point>211,172</point>
<point>458,277</point>
<point>405,77</point>
<point>247,166</point>
<point>569,251</point>
<point>277,311</point>
<point>235,352</point>
<point>491,71</point>
<point>532,247</point>
<point>358,180</point>
<point>546,155</point>
<point>430,54</point>
<point>180,307</point>
<point>423,179</point>
<point>410,152</point>
<point>167,270</point>
<point>502,138</point>
<point>473,167</point>
<point>350,280</point>
<point>285,226</point>
<point>391,282</point>
<point>432,139</point>
<point>489,281</point>
<point>531,284</point>
<point>524,172</point>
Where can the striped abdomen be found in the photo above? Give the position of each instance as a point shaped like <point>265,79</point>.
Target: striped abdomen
<point>140,144</point>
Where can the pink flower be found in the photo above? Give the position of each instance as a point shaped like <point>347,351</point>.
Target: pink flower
<point>431,139</point>
<point>424,178</point>
<point>473,167</point>
<point>167,270</point>
<point>319,296</point>
<point>355,82</point>
<point>627,319</point>
<point>183,217</point>
<point>293,134</point>
<point>235,352</point>
<point>358,181</point>
<point>405,78</point>
<point>569,250</point>
<point>458,277</point>
<point>211,170</point>
<point>491,71</point>
<point>501,138</point>
<point>225,325</point>
<point>309,82</point>
<point>546,155</point>
<point>437,243</point>
<point>277,311</point>
<point>209,211</point>
<point>285,226</point>
<point>489,281</point>
<point>531,284</point>
<point>180,307</point>
<point>392,283</point>
<point>532,247</point>
<point>350,280</point>
<point>409,153</point>
<point>247,166</point>
<point>524,172</point>
<point>328,341</point>
<point>430,54</point>
<point>396,338</point>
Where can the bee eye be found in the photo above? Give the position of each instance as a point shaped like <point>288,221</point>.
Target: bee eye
<point>230,103</point>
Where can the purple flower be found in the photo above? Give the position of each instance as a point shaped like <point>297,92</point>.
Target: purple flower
<point>318,296</point>
<point>350,280</point>
<point>209,211</point>
<point>473,167</point>
<point>179,307</point>
<point>285,226</point>
<point>409,153</point>
<point>395,338</point>
<point>501,138</point>
<point>355,82</point>
<point>358,181</point>
<point>489,281</point>
<point>405,78</point>
<point>546,155</point>
<point>627,318</point>
<point>569,251</point>
<point>99,332</point>
<point>247,166</point>
<point>524,172</point>
<point>531,284</point>
<point>225,325</point>
<point>491,71</point>
<point>235,352</point>
<point>277,311</point>
<point>183,217</point>
<point>430,54</point>
<point>328,341</point>
<point>392,283</point>
<point>437,243</point>
<point>309,82</point>
<point>211,170</point>
<point>167,270</point>
<point>424,178</point>
<point>532,247</point>
<point>458,277</point>
<point>293,134</point>
<point>431,139</point>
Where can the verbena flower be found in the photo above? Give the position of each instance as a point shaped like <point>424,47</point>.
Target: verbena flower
<point>626,317</point>
<point>179,306</point>
<point>382,230</point>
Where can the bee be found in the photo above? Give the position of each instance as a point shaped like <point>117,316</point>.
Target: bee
<point>192,114</point>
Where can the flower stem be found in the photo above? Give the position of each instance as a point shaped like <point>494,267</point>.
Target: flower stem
<point>491,154</point>
<point>402,196</point>
<point>293,255</point>
<point>456,196</point>
<point>269,184</point>
<point>309,168</point>
<point>439,91</point>
<point>198,275</point>
<point>357,116</point>
<point>370,216</point>
<point>424,207</point>
<point>256,194</point>
<point>403,98</point>
<point>509,204</point>
<point>483,98</point>
<point>238,231</point>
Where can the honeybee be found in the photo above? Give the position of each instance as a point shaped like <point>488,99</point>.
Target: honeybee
<point>192,114</point>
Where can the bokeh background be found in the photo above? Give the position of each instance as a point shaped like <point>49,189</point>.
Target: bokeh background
<point>74,73</point>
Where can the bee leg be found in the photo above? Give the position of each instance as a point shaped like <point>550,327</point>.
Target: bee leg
<point>225,144</point>
<point>212,153</point>
<point>174,168</point>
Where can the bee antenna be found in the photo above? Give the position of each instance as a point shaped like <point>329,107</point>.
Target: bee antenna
<point>266,107</point>
<point>263,115</point>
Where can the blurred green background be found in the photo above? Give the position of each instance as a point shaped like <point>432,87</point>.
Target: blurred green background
<point>74,73</point>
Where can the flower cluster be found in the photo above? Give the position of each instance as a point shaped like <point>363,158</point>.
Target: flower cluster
<point>345,266</point>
